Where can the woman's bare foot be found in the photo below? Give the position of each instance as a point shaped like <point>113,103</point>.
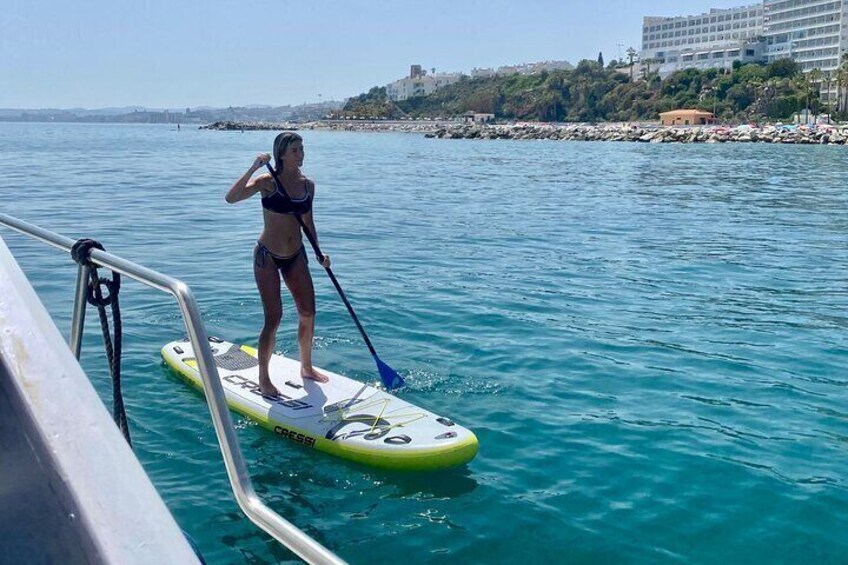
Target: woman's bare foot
<point>267,388</point>
<point>313,375</point>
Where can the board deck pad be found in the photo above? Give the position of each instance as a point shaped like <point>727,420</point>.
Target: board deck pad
<point>343,417</point>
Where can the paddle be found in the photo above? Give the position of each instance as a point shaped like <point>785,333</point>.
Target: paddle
<point>389,376</point>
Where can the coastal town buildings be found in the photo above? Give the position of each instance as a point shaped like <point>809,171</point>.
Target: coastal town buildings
<point>523,69</point>
<point>811,32</point>
<point>419,83</point>
<point>486,72</point>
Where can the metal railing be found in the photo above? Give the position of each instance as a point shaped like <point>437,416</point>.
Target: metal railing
<point>275,525</point>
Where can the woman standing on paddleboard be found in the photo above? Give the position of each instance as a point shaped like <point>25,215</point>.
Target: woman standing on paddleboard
<point>280,250</point>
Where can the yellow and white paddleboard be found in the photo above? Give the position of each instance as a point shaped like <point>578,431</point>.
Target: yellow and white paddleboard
<point>342,417</point>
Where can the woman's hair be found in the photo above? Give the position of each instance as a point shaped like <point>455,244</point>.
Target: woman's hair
<point>281,143</point>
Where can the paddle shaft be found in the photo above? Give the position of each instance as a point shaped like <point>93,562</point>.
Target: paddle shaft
<point>314,242</point>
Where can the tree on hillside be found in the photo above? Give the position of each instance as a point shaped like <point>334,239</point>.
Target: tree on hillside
<point>766,95</point>
<point>590,93</point>
<point>483,102</point>
<point>631,55</point>
<point>373,104</point>
<point>646,69</point>
<point>740,96</point>
<point>783,68</point>
<point>749,72</point>
<point>601,59</point>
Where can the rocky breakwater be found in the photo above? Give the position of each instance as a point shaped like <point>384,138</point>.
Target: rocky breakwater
<point>409,126</point>
<point>820,134</point>
<point>227,125</point>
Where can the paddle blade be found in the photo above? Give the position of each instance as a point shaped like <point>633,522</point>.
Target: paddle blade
<point>391,380</point>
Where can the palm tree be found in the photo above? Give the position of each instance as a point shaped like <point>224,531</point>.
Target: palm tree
<point>813,86</point>
<point>754,86</point>
<point>831,82</point>
<point>631,55</point>
<point>842,85</point>
<point>708,91</point>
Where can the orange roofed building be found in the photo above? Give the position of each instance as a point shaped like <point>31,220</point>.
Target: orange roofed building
<point>687,117</point>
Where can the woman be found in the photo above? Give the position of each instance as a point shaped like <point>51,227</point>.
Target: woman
<point>280,250</point>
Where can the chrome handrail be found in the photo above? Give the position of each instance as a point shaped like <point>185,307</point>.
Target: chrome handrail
<point>275,525</point>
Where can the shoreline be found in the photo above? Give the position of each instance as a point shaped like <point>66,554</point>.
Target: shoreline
<point>820,134</point>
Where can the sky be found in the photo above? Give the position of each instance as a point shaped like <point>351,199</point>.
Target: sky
<point>191,53</point>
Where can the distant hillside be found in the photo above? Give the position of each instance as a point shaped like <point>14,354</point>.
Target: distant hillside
<point>202,115</point>
<point>6,113</point>
<point>591,93</point>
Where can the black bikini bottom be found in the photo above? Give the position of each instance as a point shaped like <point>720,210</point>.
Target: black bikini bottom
<point>262,254</point>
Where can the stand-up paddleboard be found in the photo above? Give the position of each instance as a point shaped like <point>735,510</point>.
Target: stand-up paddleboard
<point>342,417</point>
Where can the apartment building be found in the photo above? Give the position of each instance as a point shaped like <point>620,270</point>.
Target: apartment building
<point>713,39</point>
<point>419,83</point>
<point>812,32</point>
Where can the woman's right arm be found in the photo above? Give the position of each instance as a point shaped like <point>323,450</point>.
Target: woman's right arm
<point>244,187</point>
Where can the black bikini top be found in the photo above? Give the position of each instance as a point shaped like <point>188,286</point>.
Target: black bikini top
<point>282,204</point>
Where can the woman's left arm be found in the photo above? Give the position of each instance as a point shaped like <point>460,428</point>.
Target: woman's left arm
<point>309,223</point>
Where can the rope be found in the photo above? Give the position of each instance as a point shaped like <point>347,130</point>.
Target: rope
<point>81,253</point>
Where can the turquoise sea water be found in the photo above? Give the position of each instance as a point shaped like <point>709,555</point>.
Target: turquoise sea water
<point>650,341</point>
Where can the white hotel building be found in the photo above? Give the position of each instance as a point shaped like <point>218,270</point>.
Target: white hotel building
<point>812,32</point>
<point>713,39</point>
